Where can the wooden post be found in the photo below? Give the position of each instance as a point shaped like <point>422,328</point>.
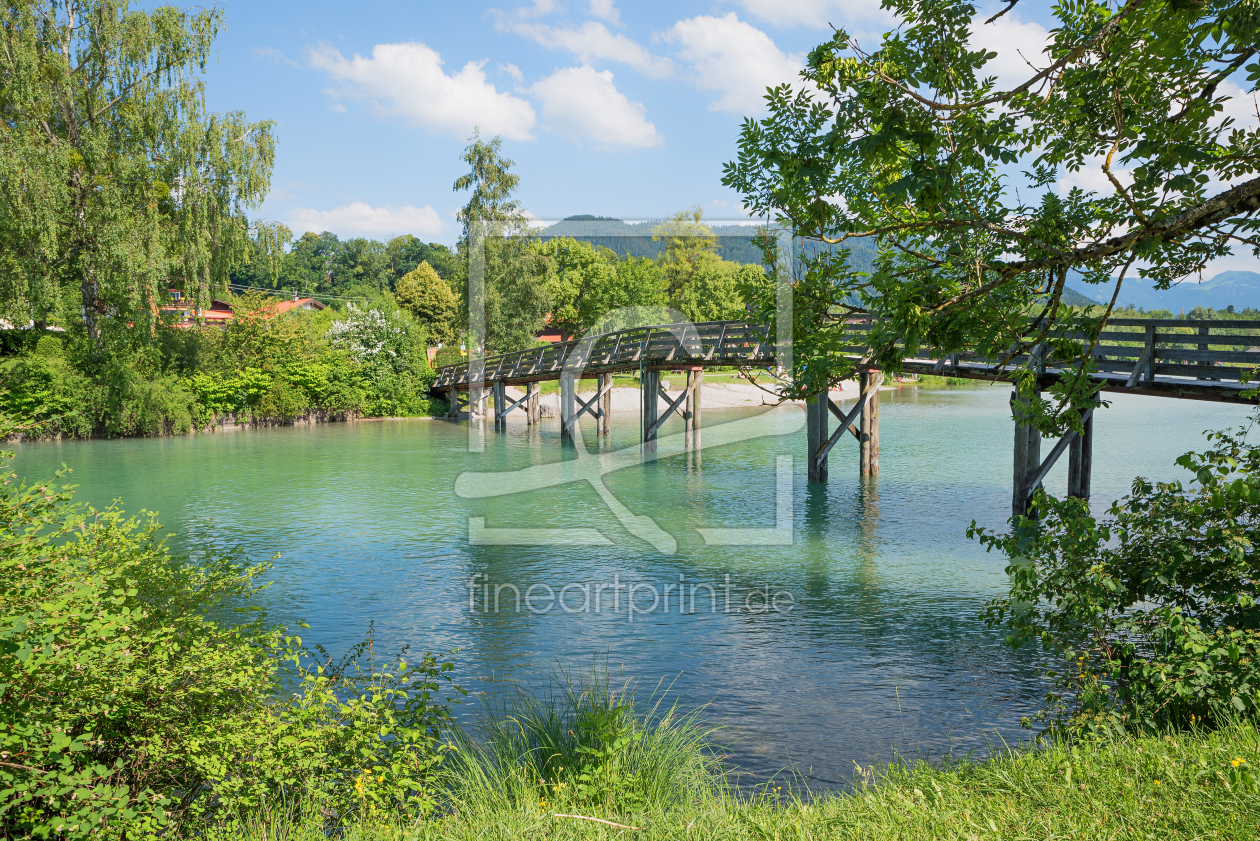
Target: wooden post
<point>1027,451</point>
<point>452,410</point>
<point>568,389</point>
<point>1148,375</point>
<point>869,430</point>
<point>604,427</point>
<point>649,389</point>
<point>691,409</point>
<point>1081,461</point>
<point>816,413</point>
<point>500,403</point>
<point>531,404</point>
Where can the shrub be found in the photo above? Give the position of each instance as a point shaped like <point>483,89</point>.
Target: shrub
<point>125,711</point>
<point>45,390</point>
<point>1152,611</point>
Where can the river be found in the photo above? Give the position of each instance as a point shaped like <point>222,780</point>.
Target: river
<point>869,645</point>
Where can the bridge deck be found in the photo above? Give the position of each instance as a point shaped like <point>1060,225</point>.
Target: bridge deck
<point>1180,358</point>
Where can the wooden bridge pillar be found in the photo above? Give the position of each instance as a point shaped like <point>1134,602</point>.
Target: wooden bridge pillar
<point>532,414</point>
<point>568,408</point>
<point>1027,451</point>
<point>816,412</point>
<point>1081,460</point>
<point>691,410</point>
<point>869,430</point>
<point>649,389</point>
<point>604,389</point>
<point>500,403</point>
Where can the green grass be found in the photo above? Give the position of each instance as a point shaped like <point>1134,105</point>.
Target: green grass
<point>1156,787</point>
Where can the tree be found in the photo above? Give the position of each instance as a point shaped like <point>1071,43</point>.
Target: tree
<point>1153,610</point>
<point>113,176</point>
<point>407,252</point>
<point>578,281</point>
<point>309,264</point>
<point>916,144</point>
<point>514,295</point>
<point>431,302</point>
<point>688,242</point>
<point>714,292</point>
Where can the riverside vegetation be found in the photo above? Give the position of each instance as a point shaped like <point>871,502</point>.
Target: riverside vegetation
<point>367,360</point>
<point>146,694</point>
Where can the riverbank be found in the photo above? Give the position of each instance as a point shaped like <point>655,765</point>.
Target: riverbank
<point>1190,785</point>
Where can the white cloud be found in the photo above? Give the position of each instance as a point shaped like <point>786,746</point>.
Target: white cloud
<point>733,58</point>
<point>593,42</point>
<point>513,71</point>
<point>585,105</point>
<point>605,10</point>
<point>1242,106</point>
<point>859,15</point>
<point>1017,43</point>
<point>406,81</point>
<point>361,219</point>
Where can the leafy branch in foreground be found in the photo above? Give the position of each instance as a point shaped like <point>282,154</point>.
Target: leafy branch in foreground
<point>126,712</point>
<point>1152,612</point>
<point>958,179</point>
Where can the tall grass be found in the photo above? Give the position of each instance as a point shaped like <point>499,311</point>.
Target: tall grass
<point>581,742</point>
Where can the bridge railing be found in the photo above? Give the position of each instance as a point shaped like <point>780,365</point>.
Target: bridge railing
<point>710,343</point>
<point>1141,349</point>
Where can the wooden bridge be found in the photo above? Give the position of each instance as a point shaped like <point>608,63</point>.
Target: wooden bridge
<point>1178,358</point>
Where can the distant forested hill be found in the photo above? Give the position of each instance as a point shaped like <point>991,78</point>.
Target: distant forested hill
<point>635,239</point>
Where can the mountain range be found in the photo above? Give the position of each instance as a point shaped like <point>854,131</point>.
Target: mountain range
<point>1238,289</point>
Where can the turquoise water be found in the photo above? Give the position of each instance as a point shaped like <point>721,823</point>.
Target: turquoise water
<point>874,647</point>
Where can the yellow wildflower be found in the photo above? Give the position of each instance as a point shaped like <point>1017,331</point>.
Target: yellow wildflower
<point>1238,760</point>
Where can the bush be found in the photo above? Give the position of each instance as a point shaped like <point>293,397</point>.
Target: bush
<point>46,392</point>
<point>1153,611</point>
<point>125,711</point>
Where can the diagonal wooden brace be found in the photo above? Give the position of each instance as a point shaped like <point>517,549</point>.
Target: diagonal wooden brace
<point>673,406</point>
<point>589,406</point>
<point>846,423</point>
<point>1060,448</point>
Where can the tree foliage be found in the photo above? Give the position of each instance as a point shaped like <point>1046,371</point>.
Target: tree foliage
<point>1152,612</point>
<point>431,302</point>
<point>495,242</point>
<point>114,178</point>
<point>917,144</point>
<point>126,712</point>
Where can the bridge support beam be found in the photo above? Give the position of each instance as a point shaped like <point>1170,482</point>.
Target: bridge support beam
<point>816,414</point>
<point>568,400</point>
<point>691,410</point>
<point>1081,460</point>
<point>869,433</point>
<point>532,413</point>
<point>604,409</point>
<point>1027,451</point>
<point>500,403</point>
<point>649,387</point>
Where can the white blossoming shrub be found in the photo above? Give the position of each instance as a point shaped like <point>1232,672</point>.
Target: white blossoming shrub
<point>376,340</point>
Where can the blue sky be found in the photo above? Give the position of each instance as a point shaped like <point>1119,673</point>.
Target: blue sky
<point>615,109</point>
